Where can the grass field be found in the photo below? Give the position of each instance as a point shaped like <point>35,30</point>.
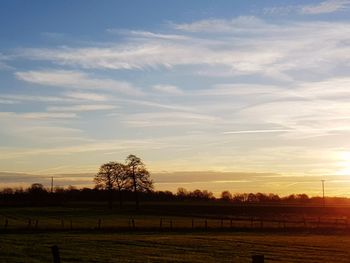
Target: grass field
<point>174,247</point>
<point>117,241</point>
<point>152,216</point>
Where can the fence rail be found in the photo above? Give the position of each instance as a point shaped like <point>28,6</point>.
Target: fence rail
<point>169,223</point>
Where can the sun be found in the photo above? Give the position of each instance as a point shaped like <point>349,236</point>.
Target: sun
<point>344,163</point>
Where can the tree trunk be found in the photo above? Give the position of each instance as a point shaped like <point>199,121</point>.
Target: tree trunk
<point>135,188</point>
<point>110,199</point>
<point>137,200</point>
<point>120,199</point>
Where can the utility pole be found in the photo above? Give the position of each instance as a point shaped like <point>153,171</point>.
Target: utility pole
<point>324,200</point>
<point>51,184</point>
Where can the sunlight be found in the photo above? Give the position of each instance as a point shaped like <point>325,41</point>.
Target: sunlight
<point>344,163</point>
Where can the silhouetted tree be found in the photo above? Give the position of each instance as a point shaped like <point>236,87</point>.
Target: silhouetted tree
<point>239,198</point>
<point>274,198</point>
<point>261,198</point>
<point>121,180</point>
<point>139,177</point>
<point>182,193</point>
<point>207,195</point>
<point>251,198</point>
<point>36,188</point>
<point>302,197</point>
<point>201,195</point>
<point>226,196</point>
<point>111,176</point>
<point>7,191</point>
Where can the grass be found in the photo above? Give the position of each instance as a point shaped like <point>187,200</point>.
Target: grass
<point>87,217</point>
<point>174,247</point>
<point>83,244</point>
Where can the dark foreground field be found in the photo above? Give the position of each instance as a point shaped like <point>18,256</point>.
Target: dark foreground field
<point>174,247</point>
<point>174,233</point>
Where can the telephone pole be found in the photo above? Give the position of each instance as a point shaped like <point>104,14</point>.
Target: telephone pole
<point>324,200</point>
<point>51,184</point>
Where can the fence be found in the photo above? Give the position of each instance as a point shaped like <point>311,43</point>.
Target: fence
<point>168,223</point>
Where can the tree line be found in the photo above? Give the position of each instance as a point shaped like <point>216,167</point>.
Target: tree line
<point>37,194</point>
<point>131,181</point>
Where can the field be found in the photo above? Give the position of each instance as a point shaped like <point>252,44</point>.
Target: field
<point>174,233</point>
<point>174,247</point>
<point>162,216</point>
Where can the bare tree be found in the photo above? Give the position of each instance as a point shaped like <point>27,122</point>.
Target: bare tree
<point>112,176</point>
<point>139,177</point>
<point>121,180</point>
<point>104,179</point>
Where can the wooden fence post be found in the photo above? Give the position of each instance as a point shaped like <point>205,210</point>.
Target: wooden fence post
<point>222,223</point>
<point>258,259</point>
<point>133,223</point>
<point>99,224</point>
<point>161,223</point>
<point>29,223</point>
<point>55,254</point>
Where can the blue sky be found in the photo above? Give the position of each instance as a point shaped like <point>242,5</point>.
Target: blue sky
<point>254,93</point>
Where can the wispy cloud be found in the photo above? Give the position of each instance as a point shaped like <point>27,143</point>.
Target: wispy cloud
<point>158,105</point>
<point>100,146</point>
<point>146,34</point>
<point>257,131</point>
<point>324,7</point>
<point>244,45</point>
<point>47,115</point>
<point>168,89</point>
<point>75,108</point>
<point>86,96</point>
<point>241,24</point>
<point>38,98</point>
<point>75,80</point>
<point>40,115</point>
<point>281,10</point>
<point>153,119</point>
<point>3,62</point>
<point>40,129</point>
<point>6,101</point>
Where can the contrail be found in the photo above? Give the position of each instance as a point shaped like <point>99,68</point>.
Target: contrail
<point>287,130</point>
<point>257,131</point>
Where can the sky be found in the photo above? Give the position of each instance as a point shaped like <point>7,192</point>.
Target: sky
<point>246,96</point>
